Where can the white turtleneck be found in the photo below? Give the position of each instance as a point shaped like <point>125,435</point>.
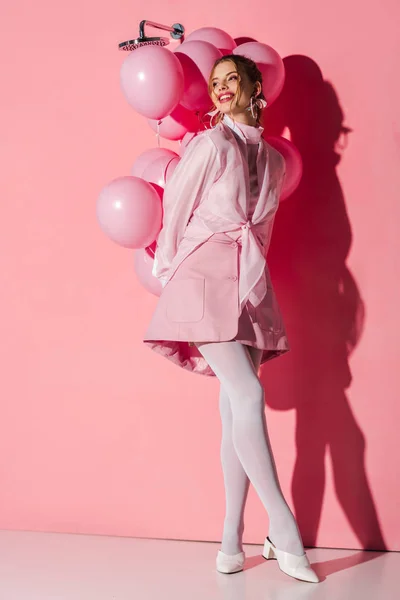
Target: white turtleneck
<point>249,138</point>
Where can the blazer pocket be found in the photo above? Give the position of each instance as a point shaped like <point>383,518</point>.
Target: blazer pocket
<point>186,300</point>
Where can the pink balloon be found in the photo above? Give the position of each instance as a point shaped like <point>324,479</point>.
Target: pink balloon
<point>197,59</point>
<point>270,64</point>
<point>219,38</point>
<point>175,125</point>
<point>129,212</point>
<point>171,167</point>
<point>149,156</point>
<point>143,269</point>
<point>152,81</point>
<point>294,163</point>
<point>156,171</point>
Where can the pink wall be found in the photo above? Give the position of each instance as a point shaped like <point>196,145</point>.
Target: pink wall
<point>98,434</point>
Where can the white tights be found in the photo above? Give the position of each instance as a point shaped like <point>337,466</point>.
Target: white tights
<point>246,453</point>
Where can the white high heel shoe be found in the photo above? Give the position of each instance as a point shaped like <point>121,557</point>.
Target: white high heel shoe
<point>296,566</point>
<point>230,563</point>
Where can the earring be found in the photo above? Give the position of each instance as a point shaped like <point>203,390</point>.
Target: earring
<point>259,103</point>
<point>252,107</point>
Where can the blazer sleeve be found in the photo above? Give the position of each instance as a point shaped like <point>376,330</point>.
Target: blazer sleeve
<point>192,178</point>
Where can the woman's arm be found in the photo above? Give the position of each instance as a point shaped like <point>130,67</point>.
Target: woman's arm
<point>193,176</point>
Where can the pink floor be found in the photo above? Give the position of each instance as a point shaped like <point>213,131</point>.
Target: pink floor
<point>52,566</point>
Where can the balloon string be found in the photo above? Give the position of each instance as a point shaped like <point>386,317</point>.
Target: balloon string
<point>158,133</point>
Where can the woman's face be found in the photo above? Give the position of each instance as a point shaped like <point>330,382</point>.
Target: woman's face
<point>224,85</point>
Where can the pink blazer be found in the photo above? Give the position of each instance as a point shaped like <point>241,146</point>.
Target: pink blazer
<point>209,193</point>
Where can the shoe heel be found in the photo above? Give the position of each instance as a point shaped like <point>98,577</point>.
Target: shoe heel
<point>268,551</point>
<point>295,566</point>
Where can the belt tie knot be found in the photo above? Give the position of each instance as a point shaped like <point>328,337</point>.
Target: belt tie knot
<point>247,225</point>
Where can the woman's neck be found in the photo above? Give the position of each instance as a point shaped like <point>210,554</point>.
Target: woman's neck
<point>250,133</point>
<point>244,118</point>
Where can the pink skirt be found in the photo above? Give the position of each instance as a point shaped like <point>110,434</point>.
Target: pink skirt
<point>260,327</point>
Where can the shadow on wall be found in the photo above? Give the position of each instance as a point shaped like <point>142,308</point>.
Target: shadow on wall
<point>322,309</point>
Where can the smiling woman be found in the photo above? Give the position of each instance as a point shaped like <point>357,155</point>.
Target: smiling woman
<point>235,86</point>
<point>219,209</point>
<point>225,96</point>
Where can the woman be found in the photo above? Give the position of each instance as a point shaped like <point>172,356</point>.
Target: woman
<point>217,314</point>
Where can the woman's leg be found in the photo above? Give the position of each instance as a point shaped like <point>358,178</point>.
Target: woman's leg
<point>235,370</point>
<point>236,481</point>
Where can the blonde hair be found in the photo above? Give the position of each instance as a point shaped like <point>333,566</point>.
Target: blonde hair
<point>244,66</point>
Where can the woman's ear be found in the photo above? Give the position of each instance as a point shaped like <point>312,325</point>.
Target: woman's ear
<point>257,89</point>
